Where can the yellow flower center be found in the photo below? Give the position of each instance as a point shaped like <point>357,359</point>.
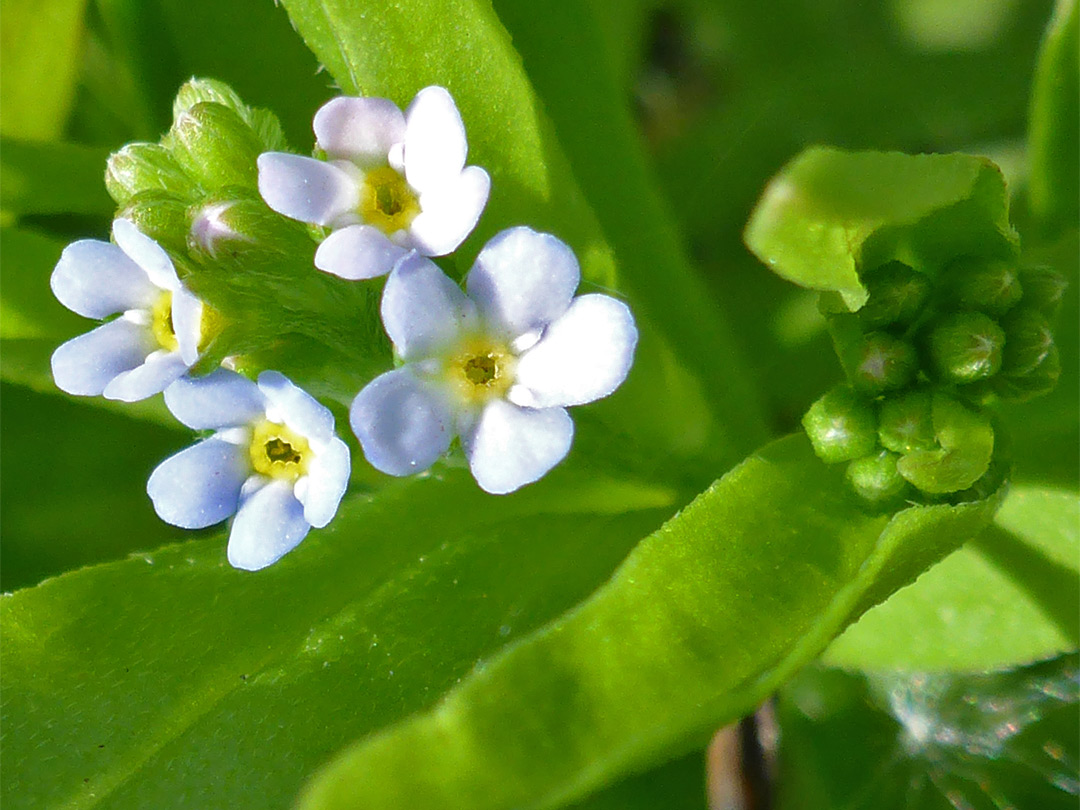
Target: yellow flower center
<point>161,322</point>
<point>386,201</point>
<point>278,452</point>
<point>480,369</point>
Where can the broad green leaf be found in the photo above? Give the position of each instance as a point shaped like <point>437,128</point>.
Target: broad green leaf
<point>170,680</point>
<point>27,306</point>
<point>930,742</point>
<point>703,619</point>
<point>74,484</point>
<point>830,214</point>
<point>1054,127</point>
<point>1010,597</point>
<point>52,178</point>
<point>676,785</point>
<point>40,47</point>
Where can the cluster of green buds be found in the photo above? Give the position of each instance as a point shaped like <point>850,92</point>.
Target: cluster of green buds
<point>195,192</point>
<point>925,359</point>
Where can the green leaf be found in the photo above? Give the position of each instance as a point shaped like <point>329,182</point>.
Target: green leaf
<point>704,618</point>
<point>40,47</point>
<point>52,178</point>
<point>1053,133</point>
<point>28,308</point>
<point>1010,597</point>
<point>830,215</point>
<point>930,742</point>
<point>675,785</point>
<point>171,679</point>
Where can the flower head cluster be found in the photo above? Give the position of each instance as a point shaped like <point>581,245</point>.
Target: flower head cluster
<point>273,461</point>
<point>497,367</point>
<point>391,182</point>
<point>155,340</point>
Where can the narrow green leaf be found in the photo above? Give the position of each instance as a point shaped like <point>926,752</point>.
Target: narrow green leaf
<point>903,741</point>
<point>38,70</point>
<point>1053,130</point>
<point>170,680</point>
<point>831,214</point>
<point>52,178</point>
<point>704,618</point>
<point>1010,597</point>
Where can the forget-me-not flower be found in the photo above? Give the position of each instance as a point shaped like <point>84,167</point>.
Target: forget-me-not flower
<point>274,461</point>
<point>497,367</point>
<point>156,338</point>
<point>391,182</point>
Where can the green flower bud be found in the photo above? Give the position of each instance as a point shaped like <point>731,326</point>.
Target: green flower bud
<point>142,167</point>
<point>966,446</point>
<point>215,146</point>
<point>905,423</point>
<point>880,362</point>
<point>983,285</point>
<point>264,123</point>
<point>1043,289</point>
<point>875,477</point>
<point>161,216</point>
<point>897,295</point>
<point>1042,379</point>
<point>841,426</point>
<point>966,347</point>
<point>233,227</point>
<point>1028,340</point>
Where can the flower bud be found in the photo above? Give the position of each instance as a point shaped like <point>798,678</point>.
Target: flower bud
<point>142,167</point>
<point>880,362</point>
<point>983,285</point>
<point>966,440</point>
<point>905,423</point>
<point>1043,289</point>
<point>897,295</point>
<point>228,227</point>
<point>1032,383</point>
<point>841,426</point>
<point>875,477</point>
<point>197,90</point>
<point>1028,339</point>
<point>966,347</point>
<point>162,217</point>
<point>215,146</point>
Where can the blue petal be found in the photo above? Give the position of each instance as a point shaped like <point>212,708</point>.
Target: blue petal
<point>219,400</point>
<point>270,524</point>
<point>199,486</point>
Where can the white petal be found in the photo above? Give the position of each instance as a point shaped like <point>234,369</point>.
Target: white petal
<point>269,524</point>
<point>97,279</point>
<point>435,145</point>
<point>161,369</point>
<point>403,424</point>
<point>358,252</point>
<point>327,478</point>
<point>512,446</point>
<point>187,311</point>
<point>359,129</point>
<point>306,189</point>
<point>523,280</point>
<point>221,399</point>
<point>199,486</point>
<point>449,213</point>
<point>146,253</point>
<point>422,309</point>
<point>295,407</point>
<point>86,364</point>
<point>583,356</point>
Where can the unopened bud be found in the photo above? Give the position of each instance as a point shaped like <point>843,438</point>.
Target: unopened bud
<point>215,146</point>
<point>966,347</point>
<point>197,90</point>
<point>1042,379</point>
<point>1028,340</point>
<point>1043,289</point>
<point>983,285</point>
<point>905,423</point>
<point>880,362</point>
<point>161,216</point>
<point>841,426</point>
<point>966,445</point>
<point>897,295</point>
<point>140,167</point>
<point>229,227</point>
<point>875,477</point>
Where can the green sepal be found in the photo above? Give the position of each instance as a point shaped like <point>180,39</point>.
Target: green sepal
<point>162,216</point>
<point>906,423</point>
<point>265,124</point>
<point>983,285</point>
<point>876,479</point>
<point>1044,289</point>
<point>141,167</point>
<point>966,347</point>
<point>966,446</point>
<point>216,146</point>
<point>897,294</point>
<point>236,223</point>
<point>879,362</point>
<point>841,426</point>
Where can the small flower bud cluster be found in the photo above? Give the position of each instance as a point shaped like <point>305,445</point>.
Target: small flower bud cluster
<point>924,357</point>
